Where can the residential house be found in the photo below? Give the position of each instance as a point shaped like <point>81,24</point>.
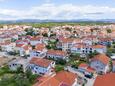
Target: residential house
<point>41,66</point>
<point>26,42</point>
<point>18,47</point>
<point>105,41</point>
<point>86,69</point>
<point>99,48</point>
<point>39,51</point>
<point>57,54</point>
<point>62,78</point>
<point>25,50</point>
<point>83,48</point>
<point>105,80</point>
<point>17,63</point>
<point>66,43</point>
<point>8,46</point>
<point>100,63</point>
<point>35,40</point>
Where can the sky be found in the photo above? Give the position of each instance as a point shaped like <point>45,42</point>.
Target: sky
<point>57,9</point>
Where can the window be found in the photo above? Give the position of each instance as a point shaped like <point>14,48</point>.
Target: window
<point>21,65</point>
<point>78,48</point>
<point>90,48</point>
<point>83,51</point>
<point>35,71</point>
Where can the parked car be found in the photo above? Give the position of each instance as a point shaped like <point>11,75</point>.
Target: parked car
<point>88,76</point>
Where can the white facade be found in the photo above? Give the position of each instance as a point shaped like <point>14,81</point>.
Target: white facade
<point>13,65</point>
<point>38,53</point>
<point>57,56</point>
<point>101,50</point>
<point>98,66</point>
<point>35,42</point>
<point>88,50</point>
<point>8,47</point>
<point>24,52</point>
<point>36,69</point>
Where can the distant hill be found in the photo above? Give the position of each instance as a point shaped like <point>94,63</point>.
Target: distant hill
<point>43,21</point>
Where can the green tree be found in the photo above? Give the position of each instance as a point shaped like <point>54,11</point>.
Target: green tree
<point>110,65</point>
<point>109,30</point>
<point>59,68</point>
<point>29,32</point>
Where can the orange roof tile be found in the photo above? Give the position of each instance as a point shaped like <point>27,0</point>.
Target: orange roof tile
<point>39,47</point>
<point>98,46</point>
<point>57,52</point>
<point>40,62</point>
<point>102,57</point>
<point>105,80</point>
<point>67,40</point>
<point>19,45</point>
<point>35,38</point>
<point>62,78</point>
<point>83,65</point>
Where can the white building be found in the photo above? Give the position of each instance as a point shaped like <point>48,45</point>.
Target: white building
<point>16,63</point>
<point>36,40</point>
<point>83,48</point>
<point>25,50</point>
<point>57,54</point>
<point>41,66</point>
<point>39,51</point>
<point>100,63</point>
<point>7,46</point>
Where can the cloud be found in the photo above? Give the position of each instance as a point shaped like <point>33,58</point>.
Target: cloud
<point>65,11</point>
<point>1,0</point>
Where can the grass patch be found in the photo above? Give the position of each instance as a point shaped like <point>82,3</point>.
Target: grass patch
<point>59,68</point>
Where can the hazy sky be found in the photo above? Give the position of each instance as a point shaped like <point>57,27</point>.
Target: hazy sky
<point>57,9</point>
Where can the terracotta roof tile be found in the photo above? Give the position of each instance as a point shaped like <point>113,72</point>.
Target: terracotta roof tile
<point>102,57</point>
<point>40,62</point>
<point>105,80</point>
<point>57,52</point>
<point>62,78</point>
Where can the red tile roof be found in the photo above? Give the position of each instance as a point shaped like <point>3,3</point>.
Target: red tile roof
<point>102,57</point>
<point>35,38</point>
<point>26,47</point>
<point>39,47</point>
<point>98,46</point>
<point>62,78</point>
<point>19,45</point>
<point>83,65</point>
<point>40,62</point>
<point>67,40</point>
<point>57,52</point>
<point>91,70</point>
<point>105,80</point>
